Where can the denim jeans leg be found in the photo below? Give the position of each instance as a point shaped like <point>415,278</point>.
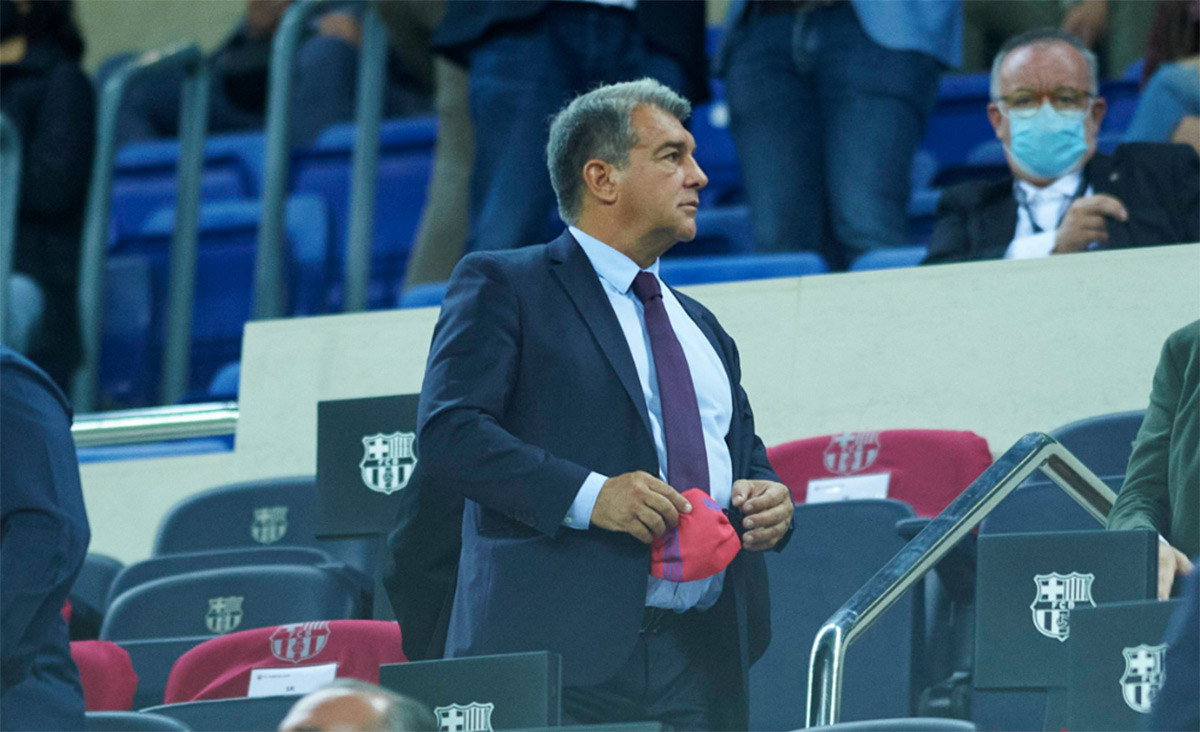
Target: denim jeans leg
<point>326,72</point>
<point>1172,93</point>
<point>876,102</point>
<point>776,128</point>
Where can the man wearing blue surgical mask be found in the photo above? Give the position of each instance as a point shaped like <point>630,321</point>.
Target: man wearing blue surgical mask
<point>1063,196</point>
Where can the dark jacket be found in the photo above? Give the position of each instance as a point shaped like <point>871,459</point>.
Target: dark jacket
<point>675,28</point>
<point>1158,183</point>
<point>51,102</point>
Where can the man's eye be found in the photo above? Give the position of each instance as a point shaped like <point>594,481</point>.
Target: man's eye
<point>1022,100</point>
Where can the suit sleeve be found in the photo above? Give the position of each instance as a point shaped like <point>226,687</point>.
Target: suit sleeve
<point>1187,187</point>
<point>949,242</point>
<point>472,366</point>
<point>1144,502</point>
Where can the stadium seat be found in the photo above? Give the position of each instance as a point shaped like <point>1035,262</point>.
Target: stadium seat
<point>133,722</point>
<point>1102,443</point>
<point>1041,506</point>
<point>427,295</point>
<point>88,595</point>
<point>279,512</point>
<point>145,179</point>
<point>716,152</point>
<point>718,231</point>
<point>170,565</point>
<point>928,468</point>
<point>109,681</point>
<point>683,271</point>
<point>126,373</point>
<point>405,165</point>
<point>836,549</point>
<point>904,724</point>
<point>220,668</point>
<point>959,119</point>
<point>890,258</point>
<point>259,714</point>
<point>224,283</point>
<point>152,662</point>
<point>217,601</point>
<point>224,385</point>
<point>1122,97</point>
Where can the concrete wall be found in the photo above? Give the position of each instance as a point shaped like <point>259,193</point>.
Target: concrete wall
<point>1001,348</point>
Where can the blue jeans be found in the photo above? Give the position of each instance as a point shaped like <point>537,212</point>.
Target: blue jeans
<point>519,79</point>
<point>1172,93</point>
<point>826,122</point>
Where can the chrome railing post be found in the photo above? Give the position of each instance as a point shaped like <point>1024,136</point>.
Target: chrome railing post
<point>1033,452</point>
<point>10,200</point>
<point>372,65</point>
<point>268,262</point>
<point>154,424</point>
<point>193,123</point>
<point>93,255</point>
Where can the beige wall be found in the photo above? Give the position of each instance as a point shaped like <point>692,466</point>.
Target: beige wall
<point>116,26</point>
<point>1001,348</point>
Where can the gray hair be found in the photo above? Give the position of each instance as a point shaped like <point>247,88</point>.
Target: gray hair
<point>597,125</point>
<point>401,713</point>
<point>1037,37</point>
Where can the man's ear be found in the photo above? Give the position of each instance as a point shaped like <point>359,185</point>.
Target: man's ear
<point>601,180</point>
<point>1099,109</point>
<point>994,116</point>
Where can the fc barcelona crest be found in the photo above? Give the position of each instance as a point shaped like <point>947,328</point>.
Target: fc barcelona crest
<point>299,641</point>
<point>224,614</point>
<point>388,461</point>
<point>1057,595</point>
<point>851,452</point>
<point>473,717</point>
<point>270,524</point>
<point>1145,672</point>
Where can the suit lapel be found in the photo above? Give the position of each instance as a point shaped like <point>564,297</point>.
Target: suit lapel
<point>570,267</point>
<point>997,221</point>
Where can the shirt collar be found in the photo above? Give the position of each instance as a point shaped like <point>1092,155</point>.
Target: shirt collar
<point>612,266</point>
<point>1064,187</point>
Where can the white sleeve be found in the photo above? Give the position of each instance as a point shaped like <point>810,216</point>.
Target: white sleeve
<point>580,514</point>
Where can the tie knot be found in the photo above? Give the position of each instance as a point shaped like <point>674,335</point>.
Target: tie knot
<point>645,286</point>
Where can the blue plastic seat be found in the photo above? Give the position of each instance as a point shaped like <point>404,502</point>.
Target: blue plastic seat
<point>890,258</point>
<point>126,372</point>
<point>144,175</point>
<point>836,548</point>
<point>724,230</point>
<point>152,661</point>
<point>280,512</point>
<point>716,153</point>
<point>89,594</point>
<point>959,119</point>
<point>405,165</point>
<point>170,565</point>
<point>224,280</point>
<point>256,714</point>
<point>1103,443</point>
<point>1122,97</point>
<point>133,722</point>
<point>224,386</point>
<point>682,271</point>
<point>426,295</point>
<point>213,602</point>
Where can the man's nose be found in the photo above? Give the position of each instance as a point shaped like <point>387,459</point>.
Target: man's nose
<point>697,178</point>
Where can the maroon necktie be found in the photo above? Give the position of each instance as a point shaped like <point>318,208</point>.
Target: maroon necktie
<point>687,461</point>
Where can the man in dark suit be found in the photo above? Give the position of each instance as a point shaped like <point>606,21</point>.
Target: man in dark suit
<point>570,398</point>
<point>44,540</point>
<point>525,59</point>
<point>1063,197</point>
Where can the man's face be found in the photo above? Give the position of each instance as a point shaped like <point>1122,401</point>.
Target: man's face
<point>658,192</point>
<point>333,711</point>
<point>1043,69</point>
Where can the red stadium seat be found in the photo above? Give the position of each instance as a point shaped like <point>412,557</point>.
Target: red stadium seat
<point>928,468</point>
<point>221,668</point>
<point>109,681</point>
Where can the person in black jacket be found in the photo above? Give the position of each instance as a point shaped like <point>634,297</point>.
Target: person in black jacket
<point>1063,196</point>
<point>525,60</point>
<point>44,537</point>
<point>50,101</point>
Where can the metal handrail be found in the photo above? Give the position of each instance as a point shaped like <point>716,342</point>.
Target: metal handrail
<point>10,199</point>
<point>99,204</point>
<point>268,258</point>
<point>1033,452</point>
<point>372,62</point>
<point>155,424</point>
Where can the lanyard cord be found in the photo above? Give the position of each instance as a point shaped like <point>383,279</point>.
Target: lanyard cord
<point>1023,201</point>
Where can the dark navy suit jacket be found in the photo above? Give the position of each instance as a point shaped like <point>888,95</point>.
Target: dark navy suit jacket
<point>530,386</point>
<point>43,541</point>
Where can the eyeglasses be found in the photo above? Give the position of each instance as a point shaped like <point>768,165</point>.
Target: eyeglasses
<point>1065,100</point>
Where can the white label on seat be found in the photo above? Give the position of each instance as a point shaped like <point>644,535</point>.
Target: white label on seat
<point>297,680</point>
<point>848,488</point>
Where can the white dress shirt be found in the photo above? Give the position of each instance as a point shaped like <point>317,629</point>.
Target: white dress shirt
<point>713,394</point>
<point>1048,205</point>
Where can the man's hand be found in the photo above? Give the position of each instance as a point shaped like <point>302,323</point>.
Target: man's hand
<point>1087,221</point>
<point>342,26</point>
<point>767,507</point>
<point>638,504</point>
<point>1087,20</point>
<point>1172,563</point>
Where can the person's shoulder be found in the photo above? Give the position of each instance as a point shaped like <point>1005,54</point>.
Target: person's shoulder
<point>504,263</point>
<point>16,369</point>
<point>1185,341</point>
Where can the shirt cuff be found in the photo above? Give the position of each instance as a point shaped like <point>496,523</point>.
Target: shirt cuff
<point>580,514</point>
<point>1032,246</point>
